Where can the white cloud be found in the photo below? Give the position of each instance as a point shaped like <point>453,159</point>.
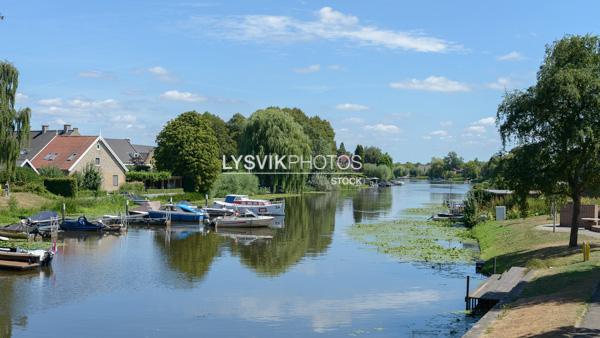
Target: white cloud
<point>351,107</point>
<point>328,25</point>
<point>446,124</point>
<point>95,74</point>
<point>432,84</point>
<point>502,83</point>
<point>20,97</point>
<point>162,74</point>
<point>308,69</point>
<point>475,129</point>
<point>126,121</point>
<point>51,102</point>
<point>439,134</point>
<point>512,56</point>
<point>93,104</point>
<point>384,128</point>
<point>354,120</point>
<point>175,95</point>
<point>486,121</point>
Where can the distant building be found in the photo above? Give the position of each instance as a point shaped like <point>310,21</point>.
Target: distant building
<point>132,154</point>
<point>72,153</point>
<point>38,139</point>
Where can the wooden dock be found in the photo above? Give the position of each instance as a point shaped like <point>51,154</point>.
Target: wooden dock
<point>494,289</point>
<point>19,261</point>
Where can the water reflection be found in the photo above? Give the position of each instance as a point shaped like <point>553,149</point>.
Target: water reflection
<point>188,251</point>
<point>309,224</point>
<point>371,204</point>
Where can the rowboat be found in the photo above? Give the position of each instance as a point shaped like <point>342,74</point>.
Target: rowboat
<point>24,259</point>
<point>259,207</point>
<point>248,219</point>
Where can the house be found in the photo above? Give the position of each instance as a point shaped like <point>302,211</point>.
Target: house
<point>38,139</point>
<point>72,153</point>
<point>132,154</point>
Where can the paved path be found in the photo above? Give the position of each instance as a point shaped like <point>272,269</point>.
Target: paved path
<point>582,231</point>
<point>592,316</point>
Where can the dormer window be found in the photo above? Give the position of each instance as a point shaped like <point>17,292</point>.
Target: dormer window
<point>51,156</point>
<point>72,157</point>
<point>98,145</point>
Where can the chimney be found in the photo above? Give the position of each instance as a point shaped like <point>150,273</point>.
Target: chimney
<point>75,132</point>
<point>66,128</point>
<point>44,128</point>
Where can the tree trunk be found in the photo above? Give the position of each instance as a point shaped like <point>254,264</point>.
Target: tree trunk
<point>575,220</point>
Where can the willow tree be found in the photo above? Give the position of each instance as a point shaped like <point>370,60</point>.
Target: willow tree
<point>273,132</point>
<point>14,124</point>
<point>559,117</point>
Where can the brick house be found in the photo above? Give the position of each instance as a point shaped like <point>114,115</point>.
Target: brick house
<point>72,153</point>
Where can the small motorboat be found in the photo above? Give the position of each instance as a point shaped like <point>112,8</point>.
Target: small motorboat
<point>218,212</point>
<point>81,224</point>
<point>15,259</point>
<point>247,219</point>
<point>259,207</point>
<point>180,212</point>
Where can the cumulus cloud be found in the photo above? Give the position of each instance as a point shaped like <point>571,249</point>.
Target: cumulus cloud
<point>439,134</point>
<point>432,84</point>
<point>384,128</point>
<point>354,120</point>
<point>351,107</point>
<point>175,95</point>
<point>502,83</point>
<point>20,97</point>
<point>486,121</point>
<point>50,102</point>
<point>329,24</point>
<point>479,127</point>
<point>308,69</point>
<point>162,74</point>
<point>512,56</point>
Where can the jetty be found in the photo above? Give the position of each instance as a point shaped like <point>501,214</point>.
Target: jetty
<point>494,289</point>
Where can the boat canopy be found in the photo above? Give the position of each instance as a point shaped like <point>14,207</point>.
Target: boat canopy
<point>231,198</point>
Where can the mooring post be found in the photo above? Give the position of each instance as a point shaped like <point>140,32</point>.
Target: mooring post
<point>494,265</point>
<point>126,208</point>
<point>63,210</point>
<point>467,300</point>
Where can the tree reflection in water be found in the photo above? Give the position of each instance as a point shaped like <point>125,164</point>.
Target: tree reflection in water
<point>188,252</point>
<point>309,225</point>
<point>371,204</point>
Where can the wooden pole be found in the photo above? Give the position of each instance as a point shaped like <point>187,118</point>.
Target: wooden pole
<point>467,300</point>
<point>494,265</point>
<point>63,211</point>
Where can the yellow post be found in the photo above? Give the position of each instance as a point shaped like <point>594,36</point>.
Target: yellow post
<point>588,250</point>
<point>583,250</point>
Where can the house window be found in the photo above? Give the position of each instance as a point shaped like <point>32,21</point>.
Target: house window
<point>72,157</point>
<point>115,180</point>
<point>97,160</point>
<point>98,145</point>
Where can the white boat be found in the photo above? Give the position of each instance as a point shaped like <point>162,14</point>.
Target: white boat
<point>259,207</point>
<point>248,219</point>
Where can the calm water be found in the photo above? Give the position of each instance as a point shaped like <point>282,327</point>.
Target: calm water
<point>309,279</point>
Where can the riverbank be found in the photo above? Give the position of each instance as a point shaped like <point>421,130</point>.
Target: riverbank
<point>556,300</point>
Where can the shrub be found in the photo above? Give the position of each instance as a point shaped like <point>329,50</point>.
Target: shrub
<point>147,176</point>
<point>235,184</point>
<point>137,187</point>
<point>91,177</point>
<point>380,171</point>
<point>64,186</point>
<point>51,172</point>
<point>320,182</point>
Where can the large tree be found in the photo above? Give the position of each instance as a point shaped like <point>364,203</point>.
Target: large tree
<point>187,146</point>
<point>227,144</point>
<point>272,131</point>
<point>559,118</point>
<point>14,124</point>
<point>235,125</point>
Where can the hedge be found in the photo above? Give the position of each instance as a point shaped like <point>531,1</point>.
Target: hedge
<point>64,186</point>
<point>148,176</point>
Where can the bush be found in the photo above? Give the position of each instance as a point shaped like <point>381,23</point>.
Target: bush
<point>91,177</point>
<point>136,187</point>
<point>235,184</point>
<point>147,176</point>
<point>380,171</point>
<point>63,186</point>
<point>320,182</point>
<point>51,172</point>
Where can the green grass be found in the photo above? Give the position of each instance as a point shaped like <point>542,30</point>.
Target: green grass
<point>25,244</point>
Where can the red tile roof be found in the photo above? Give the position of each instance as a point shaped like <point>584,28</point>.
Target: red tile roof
<point>58,152</point>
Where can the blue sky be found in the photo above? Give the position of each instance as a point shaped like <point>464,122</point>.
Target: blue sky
<point>417,79</point>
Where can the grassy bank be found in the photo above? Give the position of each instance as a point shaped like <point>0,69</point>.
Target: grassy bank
<point>556,299</point>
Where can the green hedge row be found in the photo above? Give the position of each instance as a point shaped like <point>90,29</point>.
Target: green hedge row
<point>64,186</point>
<point>148,176</point>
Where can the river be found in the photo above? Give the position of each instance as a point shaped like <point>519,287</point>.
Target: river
<point>309,279</point>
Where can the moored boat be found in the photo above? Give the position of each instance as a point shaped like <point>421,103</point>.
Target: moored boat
<point>248,219</point>
<point>177,213</point>
<point>257,206</point>
<point>81,224</point>
<point>24,259</point>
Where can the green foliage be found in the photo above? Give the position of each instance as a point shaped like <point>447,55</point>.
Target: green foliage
<point>134,187</point>
<point>147,176</point>
<point>436,169</point>
<point>187,147</point>
<point>400,171</point>
<point>381,171</point>
<point>318,130</point>
<point>320,182</point>
<point>51,171</point>
<point>91,177</point>
<point>557,119</point>
<point>14,124</point>
<point>360,151</point>
<point>227,144</point>
<point>272,131</point>
<point>63,186</point>
<point>235,184</point>
<point>452,161</point>
<point>235,125</point>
